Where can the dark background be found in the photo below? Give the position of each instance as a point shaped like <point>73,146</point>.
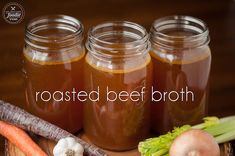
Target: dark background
<point>218,14</point>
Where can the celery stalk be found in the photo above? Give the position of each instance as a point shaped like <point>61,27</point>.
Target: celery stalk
<point>225,137</point>
<point>208,122</point>
<point>221,128</point>
<point>229,118</point>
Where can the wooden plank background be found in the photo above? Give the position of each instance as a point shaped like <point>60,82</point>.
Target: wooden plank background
<point>218,14</point>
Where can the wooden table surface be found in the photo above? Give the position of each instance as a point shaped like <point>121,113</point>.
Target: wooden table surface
<point>218,14</point>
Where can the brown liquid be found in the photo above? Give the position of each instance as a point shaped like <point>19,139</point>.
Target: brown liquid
<point>174,75</point>
<point>55,76</point>
<point>117,125</point>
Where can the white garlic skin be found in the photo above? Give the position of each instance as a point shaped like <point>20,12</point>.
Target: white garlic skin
<point>68,145</point>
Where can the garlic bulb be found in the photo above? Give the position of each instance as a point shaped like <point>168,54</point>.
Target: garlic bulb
<point>68,147</point>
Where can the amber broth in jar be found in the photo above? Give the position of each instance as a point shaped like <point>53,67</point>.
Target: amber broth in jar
<point>121,124</point>
<point>53,62</point>
<point>51,77</point>
<point>175,76</point>
<point>118,58</point>
<point>182,62</point>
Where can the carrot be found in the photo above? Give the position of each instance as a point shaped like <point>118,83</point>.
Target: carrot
<point>31,123</point>
<point>20,139</point>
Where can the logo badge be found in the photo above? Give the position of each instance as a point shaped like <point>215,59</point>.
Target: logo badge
<point>13,13</point>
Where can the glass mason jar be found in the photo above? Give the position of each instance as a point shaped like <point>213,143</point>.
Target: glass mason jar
<point>118,66</point>
<point>181,61</point>
<point>52,65</point>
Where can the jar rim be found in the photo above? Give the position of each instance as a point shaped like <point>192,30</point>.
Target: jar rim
<point>95,43</point>
<point>187,23</point>
<point>69,23</point>
<point>118,23</point>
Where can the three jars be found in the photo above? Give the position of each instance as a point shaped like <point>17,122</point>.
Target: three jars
<point>123,64</point>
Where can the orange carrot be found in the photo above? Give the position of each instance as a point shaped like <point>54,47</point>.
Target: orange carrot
<point>20,139</point>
